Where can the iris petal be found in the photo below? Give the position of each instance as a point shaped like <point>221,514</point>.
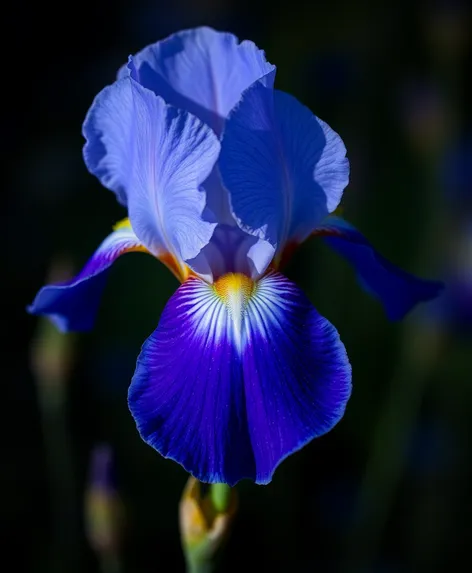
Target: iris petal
<point>284,168</point>
<point>73,305</point>
<point>237,376</point>
<point>200,70</point>
<point>397,290</point>
<point>157,157</point>
<point>231,250</point>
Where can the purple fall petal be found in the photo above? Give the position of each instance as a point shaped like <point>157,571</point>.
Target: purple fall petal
<point>397,290</point>
<point>73,305</point>
<point>234,380</point>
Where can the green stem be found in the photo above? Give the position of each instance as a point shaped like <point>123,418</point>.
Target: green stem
<point>196,566</point>
<point>110,563</point>
<point>220,496</point>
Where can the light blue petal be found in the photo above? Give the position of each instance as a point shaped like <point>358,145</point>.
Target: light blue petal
<point>157,156</point>
<point>284,168</point>
<point>397,290</point>
<point>232,381</point>
<point>200,70</point>
<point>217,199</point>
<point>73,305</point>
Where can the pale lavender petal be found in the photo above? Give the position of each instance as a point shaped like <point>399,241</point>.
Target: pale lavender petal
<point>284,168</point>
<point>157,157</point>
<point>200,70</point>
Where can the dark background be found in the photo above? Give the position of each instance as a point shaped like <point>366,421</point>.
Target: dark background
<point>388,490</point>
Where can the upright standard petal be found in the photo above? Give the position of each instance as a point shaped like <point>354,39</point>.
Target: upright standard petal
<point>284,168</point>
<point>397,290</point>
<point>200,70</point>
<point>237,376</point>
<point>157,157</point>
<point>73,305</point>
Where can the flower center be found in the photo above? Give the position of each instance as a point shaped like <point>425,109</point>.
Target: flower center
<point>233,287</point>
<point>235,291</point>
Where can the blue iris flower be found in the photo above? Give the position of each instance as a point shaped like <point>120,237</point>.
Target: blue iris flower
<point>222,176</point>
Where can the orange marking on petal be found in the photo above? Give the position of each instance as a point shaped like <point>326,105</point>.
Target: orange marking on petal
<point>285,255</point>
<point>283,258</point>
<point>135,249</point>
<point>178,269</point>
